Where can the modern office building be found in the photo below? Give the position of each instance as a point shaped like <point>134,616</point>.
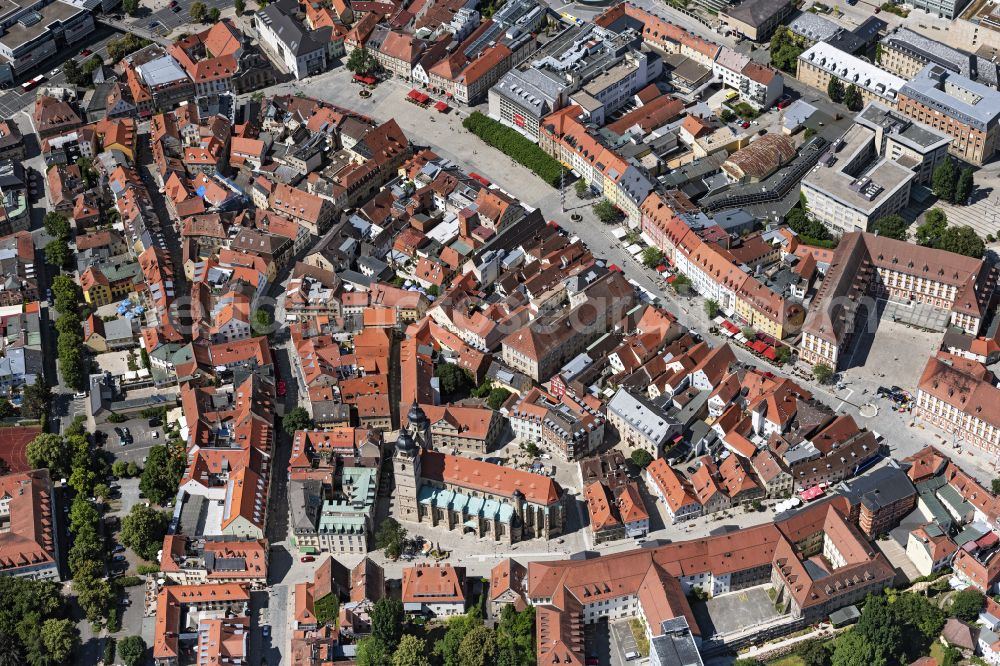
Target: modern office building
<point>34,32</point>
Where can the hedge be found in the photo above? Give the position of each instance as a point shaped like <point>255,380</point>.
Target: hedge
<point>515,146</point>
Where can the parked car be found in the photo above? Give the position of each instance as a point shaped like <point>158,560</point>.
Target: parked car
<point>746,124</point>
<point>266,630</point>
<point>86,52</point>
<point>118,549</point>
<point>118,558</point>
<point>307,558</point>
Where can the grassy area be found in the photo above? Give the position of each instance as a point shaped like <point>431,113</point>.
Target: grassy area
<point>639,633</point>
<point>788,660</point>
<point>515,146</point>
<point>937,652</point>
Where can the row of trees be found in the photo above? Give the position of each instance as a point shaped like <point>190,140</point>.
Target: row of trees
<point>201,13</point>
<point>69,345</point>
<point>83,75</point>
<point>952,184</point>
<point>514,145</point>
<point>465,642</point>
<point>935,232</point>
<point>850,96</point>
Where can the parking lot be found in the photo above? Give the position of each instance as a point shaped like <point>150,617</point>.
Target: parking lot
<point>144,438</point>
<point>623,643</point>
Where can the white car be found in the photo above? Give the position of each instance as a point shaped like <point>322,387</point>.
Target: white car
<point>156,435</point>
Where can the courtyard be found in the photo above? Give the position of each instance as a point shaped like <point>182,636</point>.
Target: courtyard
<point>735,611</point>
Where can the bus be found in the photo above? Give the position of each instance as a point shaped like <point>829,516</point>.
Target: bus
<point>31,83</point>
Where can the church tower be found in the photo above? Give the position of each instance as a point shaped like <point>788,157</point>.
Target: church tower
<point>406,471</point>
<point>420,425</point>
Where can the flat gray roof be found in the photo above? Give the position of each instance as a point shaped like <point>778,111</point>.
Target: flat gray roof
<point>917,135</point>
<point>955,96</point>
<point>57,12</point>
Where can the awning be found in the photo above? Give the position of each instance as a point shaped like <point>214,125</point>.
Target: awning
<point>769,354</point>
<point>309,550</point>
<point>661,268</point>
<point>811,493</point>
<point>441,106</point>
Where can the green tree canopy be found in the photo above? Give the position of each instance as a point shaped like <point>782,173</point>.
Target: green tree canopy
<point>35,398</point>
<point>944,180</point>
<point>412,651</point>
<point>497,397</point>
<point>447,648</point>
<point>652,256</point>
<point>61,638</point>
<point>930,230</point>
<point>641,458</point>
<point>852,98</point>
<point>835,89</point>
<point>391,536</point>
<point>240,6</point>
<point>966,604</point>
<point>327,609</point>
<point>823,373</point>
<point>962,240</point>
<point>143,529</point>
<point>453,378</point>
<point>478,647</point>
<point>131,649</point>
<point>711,307</point>
<point>964,186</point>
<point>891,226</point>
<point>361,61</point>
<point>47,450</point>
<point>56,224</point>
<point>606,212</point>
<point>164,469</point>
<point>296,419</point>
<point>387,621</point>
<point>372,652</point>
<point>198,11</point>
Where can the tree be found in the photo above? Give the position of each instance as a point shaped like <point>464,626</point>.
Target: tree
<point>240,6</point>
<point>214,15</point>
<point>930,230</point>
<point>641,458</point>
<point>262,321</point>
<point>371,651</point>
<point>446,649</point>
<point>387,621</point>
<point>652,256</point>
<point>164,469</point>
<point>87,547</point>
<point>782,354</point>
<point>823,373</point>
<point>391,536</point>
<point>606,212</point>
<point>82,515</point>
<point>74,74</point>
<point>891,226</point>
<point>71,367</point>
<point>67,294</point>
<point>478,647</point>
<point>57,252</point>
<point>120,469</point>
<point>102,491</point>
<point>516,637</point>
<point>295,420</point>
<point>327,609</point>
<point>93,64</point>
<point>711,308</point>
<point>944,180</point>
<point>60,638</point>
<point>748,332</point>
<point>56,225</point>
<point>498,396</point>
<point>96,597</point>
<point>361,61</point>
<point>581,187</point>
<point>453,378</point>
<point>198,11</point>
<point>996,486</point>
<point>412,651</point>
<point>35,398</point>
<point>11,652</point>
<point>131,650</point>
<point>852,98</point>
<point>965,605</point>
<point>850,649</point>
<point>143,529</point>
<point>130,7</point>
<point>835,89</point>
<point>47,450</point>
<point>681,284</point>
<point>144,358</point>
<point>962,240</point>
<point>964,186</point>
<point>785,49</point>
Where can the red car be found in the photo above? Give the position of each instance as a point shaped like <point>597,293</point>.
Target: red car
<point>784,101</point>
<point>307,558</point>
<point>86,52</point>
<point>281,388</point>
<point>746,124</point>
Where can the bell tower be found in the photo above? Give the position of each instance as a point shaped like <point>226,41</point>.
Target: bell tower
<point>406,471</point>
